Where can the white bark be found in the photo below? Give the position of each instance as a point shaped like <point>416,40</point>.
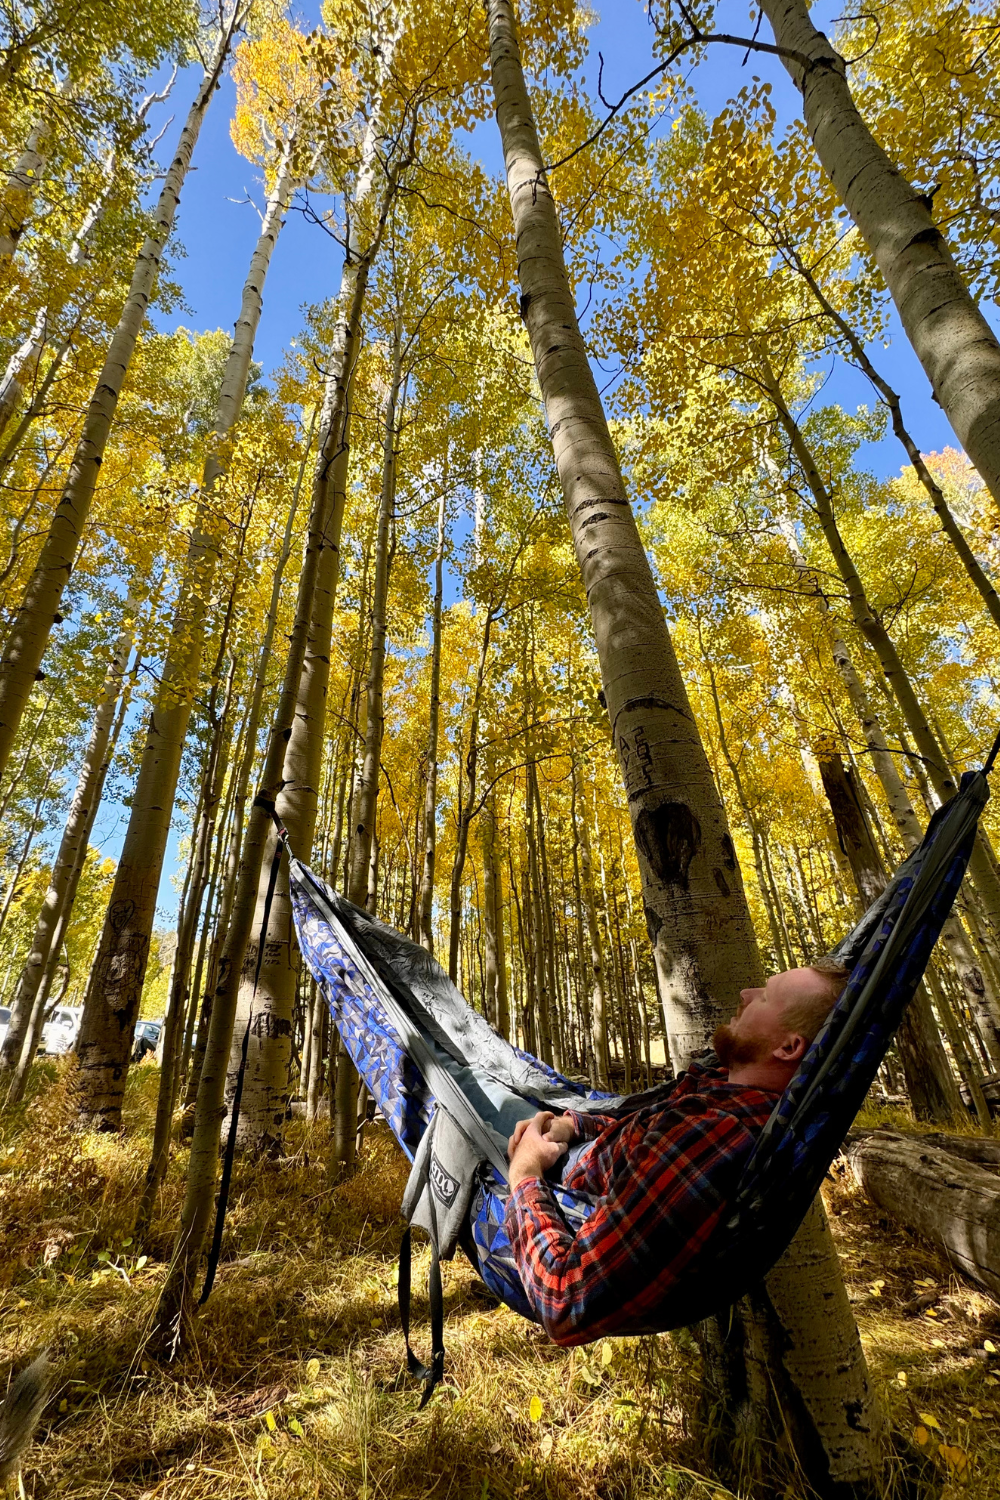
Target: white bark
<point>115,987</point>
<point>19,189</point>
<point>271,1002</point>
<point>950,336</point>
<point>72,847</point>
<point>33,623</point>
<point>366,796</point>
<point>426,905</point>
<point>695,908</point>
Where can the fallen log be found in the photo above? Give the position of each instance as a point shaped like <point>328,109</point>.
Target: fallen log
<point>975,1148</point>
<point>952,1204</point>
<point>983,1150</point>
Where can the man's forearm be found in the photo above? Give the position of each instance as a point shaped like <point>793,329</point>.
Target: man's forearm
<point>543,1246</point>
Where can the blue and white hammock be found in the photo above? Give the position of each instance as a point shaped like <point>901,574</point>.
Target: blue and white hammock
<point>452,1090</point>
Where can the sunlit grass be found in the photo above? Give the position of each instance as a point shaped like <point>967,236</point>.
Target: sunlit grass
<point>295,1387</point>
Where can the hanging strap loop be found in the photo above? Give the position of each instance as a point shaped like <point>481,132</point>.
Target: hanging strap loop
<point>430,1374</point>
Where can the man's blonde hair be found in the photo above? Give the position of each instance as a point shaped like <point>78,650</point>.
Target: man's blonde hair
<point>807,1016</point>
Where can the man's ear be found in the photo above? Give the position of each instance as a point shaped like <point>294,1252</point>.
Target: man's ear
<point>793,1049</point>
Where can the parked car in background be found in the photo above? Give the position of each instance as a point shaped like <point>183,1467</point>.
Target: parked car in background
<point>4,1023</point>
<point>61,1030</point>
<point>147,1036</point>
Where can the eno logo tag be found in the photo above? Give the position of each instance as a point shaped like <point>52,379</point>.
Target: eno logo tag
<point>443,1185</point>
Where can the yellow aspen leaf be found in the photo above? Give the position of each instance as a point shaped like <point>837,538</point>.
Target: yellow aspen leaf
<point>312,1370</point>
<point>607,1354</point>
<point>930,1312</point>
<point>989,1346</point>
<point>535,1408</point>
<point>901,1378</point>
<point>272,1425</point>
<point>956,1458</point>
<point>928,1420</point>
<point>921,1436</point>
<point>295,1426</point>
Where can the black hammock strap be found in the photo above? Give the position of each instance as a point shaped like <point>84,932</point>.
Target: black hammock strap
<point>234,1117</point>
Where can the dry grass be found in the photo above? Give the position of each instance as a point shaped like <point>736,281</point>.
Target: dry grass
<point>295,1389</point>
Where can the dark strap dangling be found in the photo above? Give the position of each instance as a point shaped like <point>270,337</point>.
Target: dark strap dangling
<point>429,1374</point>
<point>436,1298</point>
<point>234,1116</point>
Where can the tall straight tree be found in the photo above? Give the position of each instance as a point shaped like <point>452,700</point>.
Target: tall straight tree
<point>272,995</point>
<point>113,994</point>
<point>955,344</point>
<point>70,857</point>
<point>39,609</point>
<point>366,794</point>
<point>425,909</point>
<point>695,907</point>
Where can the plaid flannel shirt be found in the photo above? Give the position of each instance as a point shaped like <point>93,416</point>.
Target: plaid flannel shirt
<point>663,1176</point>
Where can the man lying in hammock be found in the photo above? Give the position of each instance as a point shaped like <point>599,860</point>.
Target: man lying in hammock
<point>664,1173</point>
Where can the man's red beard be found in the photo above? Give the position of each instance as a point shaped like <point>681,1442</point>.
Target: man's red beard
<point>735,1051</point>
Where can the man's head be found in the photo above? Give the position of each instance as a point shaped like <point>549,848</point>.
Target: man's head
<point>771,1032</point>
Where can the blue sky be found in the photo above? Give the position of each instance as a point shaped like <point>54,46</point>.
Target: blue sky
<point>217,228</point>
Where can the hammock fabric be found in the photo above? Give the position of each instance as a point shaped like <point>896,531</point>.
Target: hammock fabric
<point>452,1090</point>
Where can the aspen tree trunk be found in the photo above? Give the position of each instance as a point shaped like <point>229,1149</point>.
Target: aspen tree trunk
<point>366,797</point>
<point>977,988</point>
<point>982,869</point>
<point>19,189</point>
<point>115,988</point>
<point>953,341</point>
<point>72,847</point>
<point>467,799</point>
<point>22,367</point>
<point>39,609</point>
<point>955,1030</point>
<point>267,1007</point>
<point>741,798</point>
<point>29,1049</point>
<point>583,983</point>
<point>929,1083</point>
<point>548,930</point>
<point>28,759</point>
<point>598,1007</point>
<point>187,929</point>
<point>175,1310</point>
<point>242,782</point>
<point>540,969</point>
<point>13,443</point>
<point>977,574</point>
<point>430,791</point>
<point>34,828</point>
<point>495,974</point>
<point>695,908</point>
<point>267,1078</point>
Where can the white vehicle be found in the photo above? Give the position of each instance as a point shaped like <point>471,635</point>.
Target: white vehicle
<point>4,1023</point>
<point>60,1031</point>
